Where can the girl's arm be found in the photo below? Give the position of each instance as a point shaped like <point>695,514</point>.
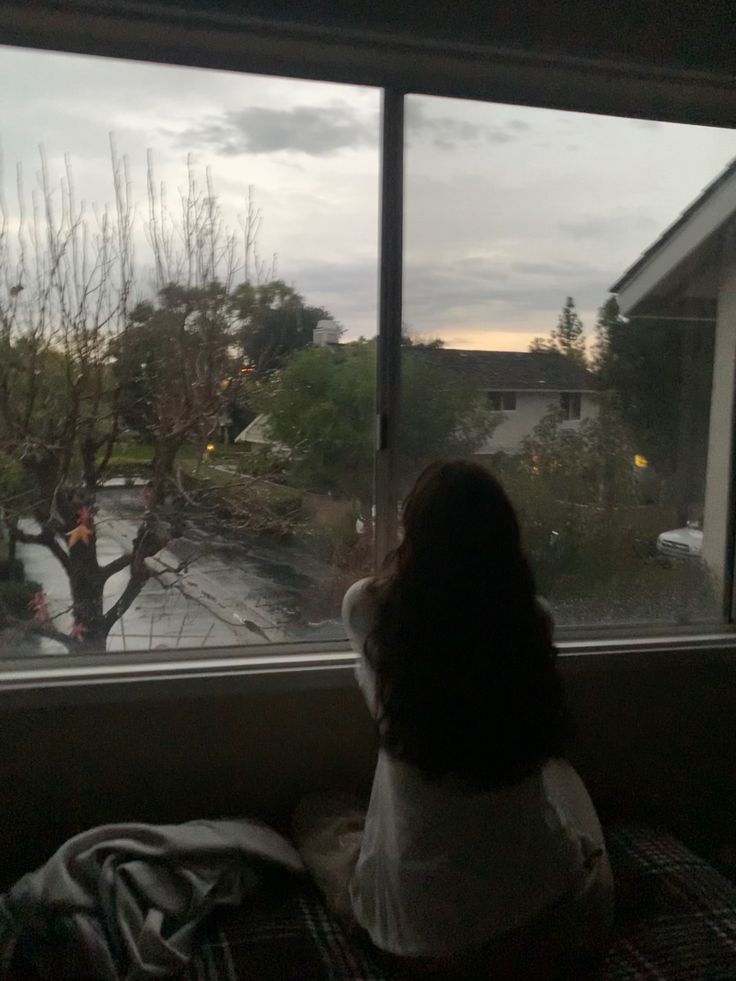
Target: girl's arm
<point>549,622</point>
<point>357,616</point>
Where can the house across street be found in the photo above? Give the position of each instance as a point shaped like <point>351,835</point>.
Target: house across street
<point>524,386</point>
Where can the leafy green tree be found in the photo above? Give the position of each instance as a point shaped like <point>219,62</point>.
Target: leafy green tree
<point>442,413</point>
<point>567,337</point>
<point>657,376</point>
<point>629,357</point>
<point>573,488</point>
<point>274,322</point>
<point>591,464</point>
<point>321,406</point>
<point>607,325</point>
<point>175,371</point>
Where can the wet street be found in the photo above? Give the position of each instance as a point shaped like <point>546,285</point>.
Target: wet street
<point>208,590</point>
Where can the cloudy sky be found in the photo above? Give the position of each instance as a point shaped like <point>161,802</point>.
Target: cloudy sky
<point>509,209</point>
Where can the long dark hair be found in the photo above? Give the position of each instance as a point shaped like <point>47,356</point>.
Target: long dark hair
<point>462,652</point>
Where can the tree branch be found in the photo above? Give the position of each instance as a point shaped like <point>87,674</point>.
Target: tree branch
<point>150,539</point>
<point>53,634</point>
<point>42,630</point>
<point>128,595</point>
<point>117,565</point>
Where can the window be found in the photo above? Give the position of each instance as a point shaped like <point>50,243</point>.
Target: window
<point>188,361</point>
<point>502,401</point>
<point>570,405</point>
<point>187,355</point>
<point>520,227</point>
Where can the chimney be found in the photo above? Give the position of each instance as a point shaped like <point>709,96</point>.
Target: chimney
<point>326,332</point>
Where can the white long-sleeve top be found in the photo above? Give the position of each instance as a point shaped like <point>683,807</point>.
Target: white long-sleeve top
<point>443,870</point>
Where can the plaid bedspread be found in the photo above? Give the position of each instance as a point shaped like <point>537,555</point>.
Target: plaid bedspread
<point>676,915</point>
<point>676,922</point>
<point>288,936</point>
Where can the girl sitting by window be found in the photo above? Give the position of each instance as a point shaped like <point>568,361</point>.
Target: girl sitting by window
<point>481,853</point>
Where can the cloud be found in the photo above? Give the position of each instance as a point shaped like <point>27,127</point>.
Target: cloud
<point>597,226</point>
<point>315,130</point>
<point>502,295</point>
<point>499,231</point>
<point>448,132</point>
<point>472,302</point>
<point>348,289</point>
<point>553,270</point>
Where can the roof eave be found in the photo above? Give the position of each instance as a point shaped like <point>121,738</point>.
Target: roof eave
<point>692,230</point>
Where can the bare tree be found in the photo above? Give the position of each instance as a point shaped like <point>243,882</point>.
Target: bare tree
<point>66,280</point>
<point>178,363</point>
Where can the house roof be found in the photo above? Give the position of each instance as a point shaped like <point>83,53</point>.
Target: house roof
<point>513,370</point>
<point>681,240</point>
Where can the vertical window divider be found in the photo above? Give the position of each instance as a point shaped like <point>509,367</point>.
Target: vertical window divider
<point>729,592</point>
<point>728,585</point>
<point>388,367</point>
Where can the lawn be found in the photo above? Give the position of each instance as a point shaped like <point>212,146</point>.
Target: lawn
<point>134,459</point>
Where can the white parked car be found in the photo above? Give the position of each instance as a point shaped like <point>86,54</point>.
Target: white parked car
<point>683,543</point>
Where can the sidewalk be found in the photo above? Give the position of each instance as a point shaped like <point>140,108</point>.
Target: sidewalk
<point>172,611</point>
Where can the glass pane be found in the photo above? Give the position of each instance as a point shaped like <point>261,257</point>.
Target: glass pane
<point>520,224</point>
<point>186,412</point>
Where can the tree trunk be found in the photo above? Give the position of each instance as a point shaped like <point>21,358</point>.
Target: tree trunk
<point>89,458</point>
<point>87,586</point>
<point>164,458</point>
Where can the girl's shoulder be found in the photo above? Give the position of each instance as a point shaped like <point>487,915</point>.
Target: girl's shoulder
<point>548,619</point>
<point>358,605</point>
<point>358,590</point>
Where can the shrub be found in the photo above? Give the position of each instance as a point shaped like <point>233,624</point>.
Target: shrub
<point>11,570</point>
<point>15,597</point>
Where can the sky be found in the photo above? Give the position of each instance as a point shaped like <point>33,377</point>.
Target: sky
<point>508,209</point>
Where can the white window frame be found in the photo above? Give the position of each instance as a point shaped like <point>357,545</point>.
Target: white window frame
<point>398,66</point>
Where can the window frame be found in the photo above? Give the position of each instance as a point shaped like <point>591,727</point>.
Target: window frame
<point>567,401</point>
<point>502,397</point>
<point>137,677</point>
<point>399,66</point>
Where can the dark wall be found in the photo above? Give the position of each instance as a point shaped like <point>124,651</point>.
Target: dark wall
<point>662,33</point>
<point>655,742</point>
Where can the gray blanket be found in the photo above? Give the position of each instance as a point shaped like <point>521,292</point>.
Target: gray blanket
<point>121,902</point>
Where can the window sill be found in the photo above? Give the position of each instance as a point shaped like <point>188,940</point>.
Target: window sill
<point>136,677</point>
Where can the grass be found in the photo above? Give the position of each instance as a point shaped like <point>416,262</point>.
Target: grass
<point>133,452</point>
<point>143,453</point>
<point>135,459</point>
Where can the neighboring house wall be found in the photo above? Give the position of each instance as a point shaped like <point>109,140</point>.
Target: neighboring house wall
<point>256,432</point>
<point>531,407</point>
